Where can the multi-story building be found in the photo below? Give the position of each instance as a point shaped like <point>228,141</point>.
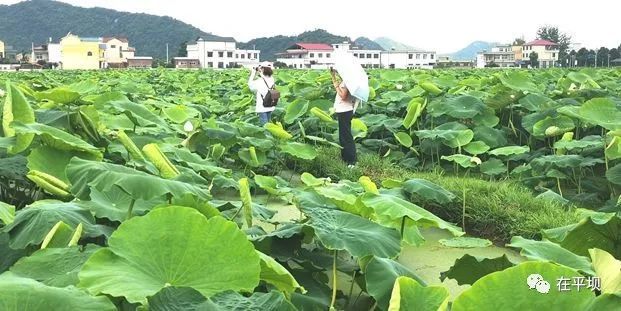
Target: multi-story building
<point>499,56</point>
<point>447,62</point>
<point>547,52</point>
<point>221,53</point>
<point>2,54</point>
<point>81,53</point>
<point>117,52</point>
<point>320,55</point>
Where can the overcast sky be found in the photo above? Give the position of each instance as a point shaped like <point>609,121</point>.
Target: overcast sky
<point>441,25</point>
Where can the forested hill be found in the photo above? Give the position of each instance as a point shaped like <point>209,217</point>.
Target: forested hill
<point>36,21</point>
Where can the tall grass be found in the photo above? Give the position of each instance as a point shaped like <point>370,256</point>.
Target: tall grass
<point>494,210</point>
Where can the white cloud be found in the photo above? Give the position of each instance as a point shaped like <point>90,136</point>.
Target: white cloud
<point>443,25</point>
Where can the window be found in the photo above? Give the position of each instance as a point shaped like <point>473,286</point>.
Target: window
<point>431,56</point>
<point>236,55</point>
<point>249,55</point>
<point>113,46</point>
<point>209,54</point>
<point>243,56</point>
<point>256,55</point>
<point>376,55</point>
<point>361,55</point>
<point>312,55</point>
<point>417,56</point>
<point>355,54</point>
<point>369,55</point>
<point>220,64</point>
<point>229,54</point>
<point>89,53</point>
<point>424,56</point>
<point>220,54</point>
<point>327,55</point>
<point>320,55</point>
<point>336,46</point>
<point>553,55</point>
<point>410,56</point>
<point>210,64</point>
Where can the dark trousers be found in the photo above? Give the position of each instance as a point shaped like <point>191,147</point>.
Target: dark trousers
<point>346,139</point>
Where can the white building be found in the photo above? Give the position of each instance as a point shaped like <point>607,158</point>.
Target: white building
<point>117,51</point>
<point>320,55</point>
<point>547,52</point>
<point>221,54</point>
<point>500,56</point>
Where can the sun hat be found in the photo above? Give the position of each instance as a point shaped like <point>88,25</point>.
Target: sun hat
<point>266,64</point>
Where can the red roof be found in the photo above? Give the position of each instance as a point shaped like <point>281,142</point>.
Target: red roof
<point>122,39</point>
<point>541,42</point>
<point>314,46</point>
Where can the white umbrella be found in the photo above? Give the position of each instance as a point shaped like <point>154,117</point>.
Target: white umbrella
<point>352,73</point>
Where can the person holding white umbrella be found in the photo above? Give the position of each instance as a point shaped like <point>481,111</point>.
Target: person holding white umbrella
<point>353,88</point>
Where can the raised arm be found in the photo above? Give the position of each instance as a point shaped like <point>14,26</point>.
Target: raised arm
<point>251,79</point>
<point>342,91</point>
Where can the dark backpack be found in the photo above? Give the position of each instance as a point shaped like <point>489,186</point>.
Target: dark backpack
<point>272,96</point>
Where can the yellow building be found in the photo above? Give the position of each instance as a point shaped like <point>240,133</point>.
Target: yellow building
<point>81,53</point>
<point>2,53</point>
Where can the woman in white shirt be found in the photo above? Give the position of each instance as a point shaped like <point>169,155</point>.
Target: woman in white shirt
<point>261,86</point>
<point>344,108</point>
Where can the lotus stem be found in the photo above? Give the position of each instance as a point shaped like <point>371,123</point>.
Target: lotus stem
<point>558,185</point>
<point>402,225</point>
<point>333,280</point>
<point>351,288</point>
<point>463,210</point>
<point>130,209</point>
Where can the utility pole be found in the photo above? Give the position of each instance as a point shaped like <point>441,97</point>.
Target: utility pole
<point>608,59</point>
<point>166,53</point>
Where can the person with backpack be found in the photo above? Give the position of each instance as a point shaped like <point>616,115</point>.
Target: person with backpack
<point>344,105</point>
<point>265,88</point>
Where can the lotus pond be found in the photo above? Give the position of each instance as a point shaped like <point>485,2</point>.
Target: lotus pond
<point>157,190</point>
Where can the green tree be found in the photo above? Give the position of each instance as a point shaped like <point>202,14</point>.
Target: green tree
<point>582,57</point>
<point>534,59</point>
<point>615,53</point>
<point>183,49</point>
<point>602,56</point>
<point>551,33</point>
<point>519,41</point>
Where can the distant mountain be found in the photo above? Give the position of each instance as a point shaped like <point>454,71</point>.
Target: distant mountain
<point>389,44</point>
<point>35,21</point>
<point>367,44</point>
<point>470,51</point>
<point>269,46</point>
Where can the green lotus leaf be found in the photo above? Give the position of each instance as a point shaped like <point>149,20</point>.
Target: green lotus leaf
<point>56,267</point>
<point>295,110</point>
<point>613,149</point>
<point>556,126</point>
<point>311,181</point>
<point>510,150</point>
<point>490,136</point>
<point>54,161</point>
<point>7,213</point>
<point>16,109</point>
<point>187,250</point>
<point>468,269</point>
<point>338,230</point>
<point>139,114</point>
<point>273,185</point>
<point>461,107</point>
<point>536,102</point>
<point>57,138</point>
<point>85,174</point>
<point>605,302</point>
<point>614,174</point>
<point>493,167</point>
<point>428,190</point>
<point>463,160</point>
<point>404,139</point>
<point>465,242</point>
<point>114,204</point>
<point>272,301</point>
<point>407,294</point>
<point>603,112</point>
<point>180,113</point>
<point>608,269</point>
<point>275,274</point>
<point>461,139</point>
<point>60,95</point>
<point>490,292</point>
<point>17,293</point>
<point>380,275</point>
<point>476,148</point>
<point>396,209</point>
<point>549,251</point>
<point>299,150</point>
<point>602,232</point>
<point>519,81</point>
<point>180,299</point>
<point>33,223</point>
<point>414,111</point>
